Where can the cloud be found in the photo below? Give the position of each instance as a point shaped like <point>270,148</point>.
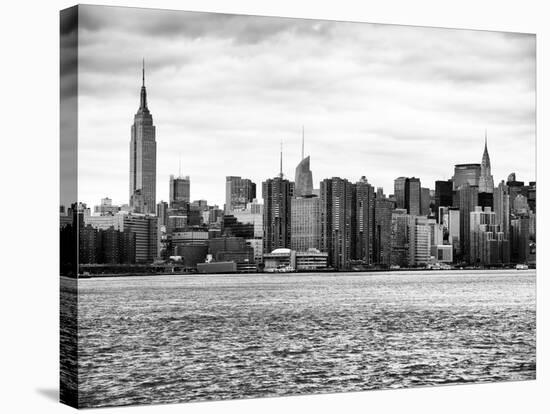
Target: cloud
<point>224,90</point>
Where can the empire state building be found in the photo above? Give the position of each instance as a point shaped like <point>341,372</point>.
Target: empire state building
<point>143,158</point>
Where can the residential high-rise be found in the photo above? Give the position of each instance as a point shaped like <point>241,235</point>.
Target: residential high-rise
<point>277,195</point>
<point>179,191</point>
<point>303,178</point>
<point>305,223</point>
<point>336,221</point>
<point>364,221</point>
<point>143,158</point>
<point>382,230</point>
<point>238,193</point>
<point>145,228</point>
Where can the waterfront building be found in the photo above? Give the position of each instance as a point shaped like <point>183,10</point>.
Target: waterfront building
<point>364,221</point>
<point>382,231</point>
<point>520,246</point>
<point>399,237</point>
<point>277,195</point>
<point>337,210</point>
<point>179,191</point>
<point>305,222</point>
<point>466,201</point>
<point>145,228</point>
<point>442,253</point>
<point>143,158</point>
<point>238,193</point>
<point>311,260</point>
<point>280,258</point>
<point>488,244</point>
<point>466,174</point>
<point>420,240</point>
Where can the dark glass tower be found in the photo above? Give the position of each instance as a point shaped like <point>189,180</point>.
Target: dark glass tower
<point>303,177</point>
<point>143,158</point>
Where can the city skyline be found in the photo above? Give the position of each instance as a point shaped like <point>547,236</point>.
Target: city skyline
<point>398,128</point>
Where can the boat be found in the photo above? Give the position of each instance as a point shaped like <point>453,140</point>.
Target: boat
<point>522,266</point>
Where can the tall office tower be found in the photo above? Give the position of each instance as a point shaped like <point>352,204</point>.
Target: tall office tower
<point>501,201</point>
<point>143,158</point>
<point>413,196</point>
<point>486,183</point>
<point>399,237</point>
<point>337,211</point>
<point>277,195</point>
<point>443,195</point>
<point>425,201</point>
<point>532,196</point>
<point>382,231</point>
<point>106,207</point>
<point>421,240</point>
<point>305,224</point>
<point>364,221</point>
<point>303,178</point>
<point>238,193</point>
<point>179,191</point>
<point>467,200</point>
<point>146,237</point>
<point>449,220</point>
<point>466,174</point>
<point>520,250</point>
<point>399,191</point>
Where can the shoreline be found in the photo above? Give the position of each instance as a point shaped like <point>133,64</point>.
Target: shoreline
<point>305,273</point>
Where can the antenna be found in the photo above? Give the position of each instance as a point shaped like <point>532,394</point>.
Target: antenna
<point>302,142</point>
<point>179,173</point>
<point>281,166</point>
<point>143,72</point>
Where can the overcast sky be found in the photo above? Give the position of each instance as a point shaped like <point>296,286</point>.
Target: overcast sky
<point>376,100</point>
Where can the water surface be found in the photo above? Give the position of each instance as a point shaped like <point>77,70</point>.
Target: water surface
<point>176,338</point>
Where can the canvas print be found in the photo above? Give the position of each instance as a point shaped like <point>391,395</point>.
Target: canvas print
<point>265,206</point>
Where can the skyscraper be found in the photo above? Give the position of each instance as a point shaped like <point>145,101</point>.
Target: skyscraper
<point>336,221</point>
<point>413,196</point>
<point>382,230</point>
<point>303,177</point>
<point>467,200</point>
<point>443,195</point>
<point>399,191</point>
<point>277,195</point>
<point>364,221</point>
<point>466,174</point>
<point>486,183</point>
<point>179,192</point>
<point>305,223</point>
<point>143,158</point>
<point>238,193</point>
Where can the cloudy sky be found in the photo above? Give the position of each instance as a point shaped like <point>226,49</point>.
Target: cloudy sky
<point>376,100</point>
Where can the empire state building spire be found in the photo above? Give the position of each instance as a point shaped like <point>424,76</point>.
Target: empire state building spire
<point>143,95</point>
